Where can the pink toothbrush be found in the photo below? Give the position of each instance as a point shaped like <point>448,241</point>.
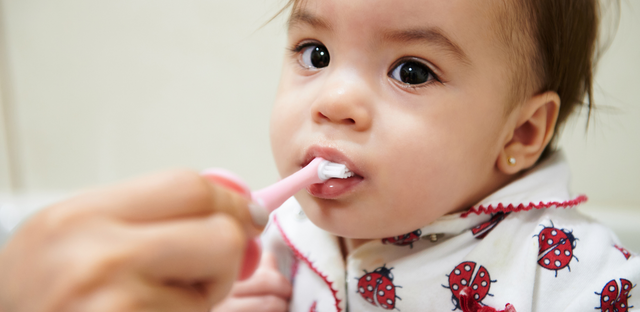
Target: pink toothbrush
<point>271,197</point>
<point>317,171</point>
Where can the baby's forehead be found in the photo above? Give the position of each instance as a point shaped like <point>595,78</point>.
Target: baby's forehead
<point>393,12</point>
<point>460,26</point>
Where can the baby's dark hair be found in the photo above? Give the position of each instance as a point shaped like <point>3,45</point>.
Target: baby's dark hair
<point>552,44</point>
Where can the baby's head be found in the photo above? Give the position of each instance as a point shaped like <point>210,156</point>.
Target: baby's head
<point>426,101</point>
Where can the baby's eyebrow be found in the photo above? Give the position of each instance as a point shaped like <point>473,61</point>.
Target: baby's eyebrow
<point>431,35</point>
<point>304,17</point>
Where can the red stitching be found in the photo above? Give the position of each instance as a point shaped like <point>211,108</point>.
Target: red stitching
<point>468,304</point>
<point>313,307</point>
<point>501,208</point>
<point>299,255</point>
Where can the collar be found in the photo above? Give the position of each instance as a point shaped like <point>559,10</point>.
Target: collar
<point>320,250</point>
<point>544,186</point>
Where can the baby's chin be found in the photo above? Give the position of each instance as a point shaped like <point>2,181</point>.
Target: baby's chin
<point>343,220</point>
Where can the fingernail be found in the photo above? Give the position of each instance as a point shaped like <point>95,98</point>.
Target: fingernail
<point>259,214</point>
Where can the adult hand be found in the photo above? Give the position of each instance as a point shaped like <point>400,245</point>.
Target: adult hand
<point>266,290</point>
<point>170,242</point>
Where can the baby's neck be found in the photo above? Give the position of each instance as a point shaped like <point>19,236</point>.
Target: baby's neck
<point>348,245</point>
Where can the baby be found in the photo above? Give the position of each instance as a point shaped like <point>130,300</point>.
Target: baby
<point>445,111</point>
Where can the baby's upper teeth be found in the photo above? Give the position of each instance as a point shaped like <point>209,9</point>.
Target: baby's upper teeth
<point>328,170</point>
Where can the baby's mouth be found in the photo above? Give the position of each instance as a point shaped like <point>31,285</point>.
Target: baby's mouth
<point>331,155</point>
<point>347,173</point>
<point>333,188</point>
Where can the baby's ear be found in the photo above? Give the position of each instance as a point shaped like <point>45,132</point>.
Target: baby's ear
<point>534,129</point>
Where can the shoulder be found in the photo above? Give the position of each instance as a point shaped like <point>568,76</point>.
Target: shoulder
<point>556,259</point>
<point>581,265</point>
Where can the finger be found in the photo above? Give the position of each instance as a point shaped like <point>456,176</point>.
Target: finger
<point>168,195</point>
<point>260,303</point>
<point>232,182</point>
<point>137,296</point>
<point>227,179</point>
<point>202,255</point>
<point>192,249</point>
<point>129,293</point>
<point>269,261</point>
<point>251,259</point>
<point>267,280</point>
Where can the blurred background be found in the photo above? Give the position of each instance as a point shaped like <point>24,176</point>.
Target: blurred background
<point>93,92</point>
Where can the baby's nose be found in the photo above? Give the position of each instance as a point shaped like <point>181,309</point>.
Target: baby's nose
<point>345,103</point>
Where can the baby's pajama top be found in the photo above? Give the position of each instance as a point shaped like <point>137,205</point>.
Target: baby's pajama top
<point>523,248</point>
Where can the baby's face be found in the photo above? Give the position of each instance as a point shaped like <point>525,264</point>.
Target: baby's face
<point>410,95</point>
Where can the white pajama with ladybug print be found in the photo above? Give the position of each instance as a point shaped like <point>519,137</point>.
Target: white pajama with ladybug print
<point>524,248</point>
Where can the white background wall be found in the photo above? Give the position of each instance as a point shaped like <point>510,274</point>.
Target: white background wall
<point>98,91</point>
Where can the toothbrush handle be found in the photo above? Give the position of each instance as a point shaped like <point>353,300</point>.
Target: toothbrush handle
<point>275,195</point>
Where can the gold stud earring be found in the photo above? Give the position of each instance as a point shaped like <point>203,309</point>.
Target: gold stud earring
<point>511,161</point>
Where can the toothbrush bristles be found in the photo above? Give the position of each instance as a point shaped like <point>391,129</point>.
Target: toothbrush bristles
<point>335,170</point>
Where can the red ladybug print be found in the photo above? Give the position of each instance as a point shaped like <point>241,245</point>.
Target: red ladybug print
<point>624,251</point>
<point>378,289</point>
<point>555,248</point>
<point>404,240</point>
<point>313,307</point>
<point>471,281</point>
<point>483,229</point>
<point>614,298</point>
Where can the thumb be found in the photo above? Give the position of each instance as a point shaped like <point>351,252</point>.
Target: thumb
<point>269,261</point>
<point>228,180</point>
<point>251,259</point>
<point>232,182</point>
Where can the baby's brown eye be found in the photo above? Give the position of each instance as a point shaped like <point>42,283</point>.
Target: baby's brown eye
<point>412,72</point>
<point>315,56</point>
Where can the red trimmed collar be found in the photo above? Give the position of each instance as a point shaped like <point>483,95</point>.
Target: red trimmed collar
<point>544,186</point>
<point>521,207</point>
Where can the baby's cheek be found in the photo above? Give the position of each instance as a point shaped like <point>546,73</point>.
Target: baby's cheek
<point>281,132</point>
<point>421,192</point>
